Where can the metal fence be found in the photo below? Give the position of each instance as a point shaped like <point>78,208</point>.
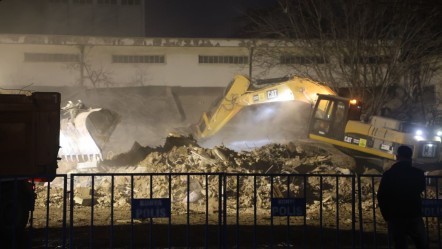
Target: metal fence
<point>213,210</point>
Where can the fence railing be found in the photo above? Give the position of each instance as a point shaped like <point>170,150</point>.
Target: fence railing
<point>213,210</point>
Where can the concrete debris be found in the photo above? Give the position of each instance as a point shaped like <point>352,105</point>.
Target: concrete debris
<point>133,156</point>
<point>184,155</point>
<point>194,196</point>
<point>83,202</point>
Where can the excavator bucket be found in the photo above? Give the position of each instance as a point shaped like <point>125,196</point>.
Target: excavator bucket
<point>83,137</point>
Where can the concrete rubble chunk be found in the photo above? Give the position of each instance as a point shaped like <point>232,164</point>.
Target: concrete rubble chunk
<point>83,202</point>
<point>83,192</point>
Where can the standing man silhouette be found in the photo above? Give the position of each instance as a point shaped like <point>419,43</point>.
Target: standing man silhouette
<point>399,198</point>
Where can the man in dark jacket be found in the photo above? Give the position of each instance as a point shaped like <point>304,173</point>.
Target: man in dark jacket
<point>399,198</point>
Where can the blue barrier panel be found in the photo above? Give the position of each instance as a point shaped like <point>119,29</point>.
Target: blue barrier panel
<point>288,207</point>
<point>432,207</point>
<point>151,208</point>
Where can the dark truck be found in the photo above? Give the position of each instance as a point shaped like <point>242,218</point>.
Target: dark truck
<point>29,144</point>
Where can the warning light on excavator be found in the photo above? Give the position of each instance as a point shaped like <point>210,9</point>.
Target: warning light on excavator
<point>353,102</point>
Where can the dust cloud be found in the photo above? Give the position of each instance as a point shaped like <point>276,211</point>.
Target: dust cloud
<point>145,114</point>
<point>260,125</point>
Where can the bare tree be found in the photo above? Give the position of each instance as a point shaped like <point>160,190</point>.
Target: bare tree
<point>95,75</point>
<point>140,77</point>
<point>367,46</point>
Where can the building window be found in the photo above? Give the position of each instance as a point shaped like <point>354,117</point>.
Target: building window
<point>42,57</point>
<point>220,59</point>
<point>138,59</point>
<point>130,2</point>
<point>107,1</point>
<point>367,60</point>
<point>82,1</point>
<point>302,60</point>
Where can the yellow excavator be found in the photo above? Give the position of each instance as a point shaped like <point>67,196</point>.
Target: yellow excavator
<point>332,120</point>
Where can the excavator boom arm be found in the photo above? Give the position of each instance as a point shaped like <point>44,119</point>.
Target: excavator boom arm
<point>240,94</point>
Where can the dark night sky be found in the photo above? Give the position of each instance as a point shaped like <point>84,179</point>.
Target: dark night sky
<point>163,18</point>
<point>195,18</point>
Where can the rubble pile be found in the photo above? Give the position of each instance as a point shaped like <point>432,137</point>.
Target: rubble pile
<point>182,155</point>
<point>252,178</point>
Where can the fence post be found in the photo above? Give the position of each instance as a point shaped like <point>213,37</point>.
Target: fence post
<point>353,210</point>
<point>373,200</point>
<point>65,187</point>
<point>48,194</point>
<point>337,211</point>
<point>225,210</point>
<point>71,213</point>
<point>361,224</point>
<point>220,213</point>
<point>112,212</point>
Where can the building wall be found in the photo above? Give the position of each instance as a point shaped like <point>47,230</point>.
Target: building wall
<point>15,71</point>
<point>181,65</point>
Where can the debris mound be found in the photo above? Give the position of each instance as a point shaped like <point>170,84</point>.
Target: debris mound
<point>182,154</point>
<point>136,154</point>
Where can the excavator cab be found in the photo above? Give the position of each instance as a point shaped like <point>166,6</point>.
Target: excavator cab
<point>330,116</point>
<point>336,120</point>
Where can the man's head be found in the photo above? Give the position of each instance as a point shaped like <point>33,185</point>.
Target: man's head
<point>404,153</point>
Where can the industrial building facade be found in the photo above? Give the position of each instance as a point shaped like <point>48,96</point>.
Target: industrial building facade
<point>45,60</point>
<point>99,61</point>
